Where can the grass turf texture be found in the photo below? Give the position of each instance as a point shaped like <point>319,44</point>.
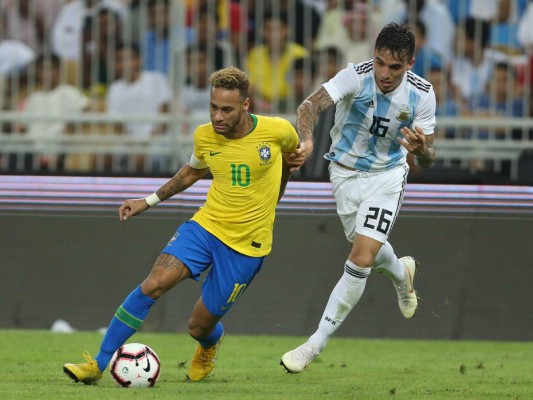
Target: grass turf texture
<point>248,368</point>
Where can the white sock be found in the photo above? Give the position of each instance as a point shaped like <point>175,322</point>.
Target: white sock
<point>386,262</point>
<point>343,298</point>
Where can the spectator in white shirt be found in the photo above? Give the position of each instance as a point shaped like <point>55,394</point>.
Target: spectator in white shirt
<point>51,100</point>
<point>68,26</point>
<point>137,92</point>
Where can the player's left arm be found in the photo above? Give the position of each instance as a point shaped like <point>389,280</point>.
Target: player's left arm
<point>419,144</point>
<point>419,139</point>
<point>285,175</point>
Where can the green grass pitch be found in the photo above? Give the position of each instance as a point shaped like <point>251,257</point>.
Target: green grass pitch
<point>248,368</point>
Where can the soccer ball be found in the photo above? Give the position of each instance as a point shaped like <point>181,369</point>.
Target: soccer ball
<point>135,365</point>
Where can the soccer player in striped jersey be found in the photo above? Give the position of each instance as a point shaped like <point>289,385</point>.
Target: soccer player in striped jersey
<point>229,236</point>
<point>383,112</point>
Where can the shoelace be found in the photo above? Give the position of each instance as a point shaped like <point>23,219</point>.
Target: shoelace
<point>88,356</point>
<point>404,295</point>
<point>208,354</point>
<point>403,291</point>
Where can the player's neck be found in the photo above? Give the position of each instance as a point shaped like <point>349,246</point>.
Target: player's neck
<point>245,127</point>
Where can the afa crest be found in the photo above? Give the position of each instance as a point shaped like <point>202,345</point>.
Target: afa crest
<point>404,114</point>
<point>264,152</point>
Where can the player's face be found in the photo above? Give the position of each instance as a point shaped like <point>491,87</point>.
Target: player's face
<point>227,111</point>
<point>389,71</point>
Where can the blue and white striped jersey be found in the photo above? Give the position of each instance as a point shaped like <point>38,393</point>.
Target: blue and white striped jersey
<point>367,122</point>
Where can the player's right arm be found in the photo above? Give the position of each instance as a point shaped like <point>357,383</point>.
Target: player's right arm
<point>306,117</point>
<point>184,178</point>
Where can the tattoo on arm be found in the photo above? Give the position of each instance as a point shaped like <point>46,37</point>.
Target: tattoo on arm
<point>308,111</point>
<point>183,179</point>
<point>168,261</point>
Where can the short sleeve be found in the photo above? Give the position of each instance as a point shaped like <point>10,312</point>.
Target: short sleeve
<point>197,159</point>
<point>345,83</point>
<point>290,140</point>
<point>196,163</point>
<point>425,114</point>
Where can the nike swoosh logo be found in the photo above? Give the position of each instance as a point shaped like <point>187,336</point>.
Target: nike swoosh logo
<point>214,153</point>
<point>147,369</point>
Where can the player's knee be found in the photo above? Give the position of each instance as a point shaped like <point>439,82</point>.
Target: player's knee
<point>362,260</point>
<point>156,284</point>
<point>197,330</point>
<point>153,287</point>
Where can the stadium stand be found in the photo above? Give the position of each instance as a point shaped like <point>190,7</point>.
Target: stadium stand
<point>486,139</point>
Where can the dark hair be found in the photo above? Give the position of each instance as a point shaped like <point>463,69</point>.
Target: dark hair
<point>152,3</point>
<point>305,64</point>
<point>399,39</point>
<point>53,59</point>
<point>476,29</point>
<point>200,48</point>
<point>332,51</point>
<point>276,16</point>
<point>505,66</point>
<point>90,21</point>
<point>231,78</point>
<point>134,47</point>
<point>300,63</point>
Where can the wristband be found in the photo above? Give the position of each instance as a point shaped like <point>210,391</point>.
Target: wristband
<point>152,200</point>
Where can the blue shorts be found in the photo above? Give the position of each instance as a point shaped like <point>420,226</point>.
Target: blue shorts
<point>230,274</point>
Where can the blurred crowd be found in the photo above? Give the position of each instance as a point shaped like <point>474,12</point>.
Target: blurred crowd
<point>150,58</point>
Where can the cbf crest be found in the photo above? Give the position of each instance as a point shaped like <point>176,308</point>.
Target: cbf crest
<point>404,114</point>
<point>265,155</point>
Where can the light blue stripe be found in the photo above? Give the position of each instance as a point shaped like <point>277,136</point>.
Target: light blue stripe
<point>382,109</point>
<point>356,118</point>
<point>395,152</point>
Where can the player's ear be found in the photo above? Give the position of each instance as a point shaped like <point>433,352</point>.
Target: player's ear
<point>246,104</point>
<point>411,63</point>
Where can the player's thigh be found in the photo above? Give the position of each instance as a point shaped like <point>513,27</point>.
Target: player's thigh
<point>186,255</point>
<point>368,203</point>
<point>347,192</point>
<point>166,273</point>
<point>229,277</point>
<point>379,209</point>
<point>191,245</point>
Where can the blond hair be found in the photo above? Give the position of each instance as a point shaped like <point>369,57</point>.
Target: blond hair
<point>231,78</point>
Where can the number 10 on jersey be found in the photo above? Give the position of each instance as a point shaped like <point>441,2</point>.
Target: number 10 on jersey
<point>240,175</point>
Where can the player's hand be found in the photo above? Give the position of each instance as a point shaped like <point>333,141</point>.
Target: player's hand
<point>413,141</point>
<point>132,207</point>
<point>296,160</point>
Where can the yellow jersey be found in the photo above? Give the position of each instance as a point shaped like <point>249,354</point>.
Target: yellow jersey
<point>241,202</point>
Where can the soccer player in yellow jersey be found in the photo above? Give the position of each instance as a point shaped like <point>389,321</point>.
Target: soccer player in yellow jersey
<point>230,235</point>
